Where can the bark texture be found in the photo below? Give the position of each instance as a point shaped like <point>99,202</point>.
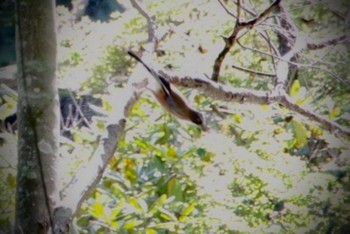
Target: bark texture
<point>38,115</point>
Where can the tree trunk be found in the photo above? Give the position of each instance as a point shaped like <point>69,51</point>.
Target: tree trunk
<point>38,115</point>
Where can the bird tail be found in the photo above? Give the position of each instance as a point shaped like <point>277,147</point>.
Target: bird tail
<point>164,84</point>
<point>132,54</point>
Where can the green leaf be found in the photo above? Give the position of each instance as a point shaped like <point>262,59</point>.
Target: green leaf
<point>335,112</point>
<point>151,231</point>
<point>8,108</point>
<point>300,133</point>
<point>132,224</point>
<point>201,152</point>
<point>168,225</point>
<point>157,204</point>
<point>237,118</point>
<point>139,204</point>
<point>294,89</point>
<point>172,152</point>
<point>188,210</point>
<point>97,209</point>
<point>165,214</point>
<point>130,170</point>
<point>174,189</point>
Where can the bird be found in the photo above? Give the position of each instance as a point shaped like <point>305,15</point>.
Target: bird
<point>170,98</point>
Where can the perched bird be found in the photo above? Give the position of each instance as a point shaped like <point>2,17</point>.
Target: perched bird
<point>170,98</point>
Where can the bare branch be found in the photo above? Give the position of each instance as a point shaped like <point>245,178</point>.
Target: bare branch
<point>227,11</point>
<point>230,41</point>
<point>230,94</point>
<point>150,20</point>
<point>311,65</point>
<point>266,37</point>
<point>325,42</point>
<point>261,16</point>
<point>327,124</point>
<point>253,71</point>
<point>89,173</point>
<point>250,11</point>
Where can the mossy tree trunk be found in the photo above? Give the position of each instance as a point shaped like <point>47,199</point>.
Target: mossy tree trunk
<point>38,115</point>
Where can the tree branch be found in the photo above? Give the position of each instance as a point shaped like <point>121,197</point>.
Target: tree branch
<point>90,173</point>
<point>150,21</point>
<point>259,73</point>
<point>230,41</point>
<point>314,45</point>
<point>261,16</point>
<point>230,94</point>
<point>225,8</point>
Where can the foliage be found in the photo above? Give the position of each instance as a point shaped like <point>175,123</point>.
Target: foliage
<point>258,169</point>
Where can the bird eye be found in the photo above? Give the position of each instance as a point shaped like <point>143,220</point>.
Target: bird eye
<point>196,117</point>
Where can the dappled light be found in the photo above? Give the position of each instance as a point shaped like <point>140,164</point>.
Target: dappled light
<point>270,79</point>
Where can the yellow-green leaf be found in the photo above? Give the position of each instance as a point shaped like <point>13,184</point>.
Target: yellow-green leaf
<point>174,189</point>
<point>6,110</point>
<point>151,231</point>
<point>130,170</point>
<point>167,215</point>
<point>138,204</point>
<point>237,118</point>
<point>169,225</point>
<point>131,224</point>
<point>98,209</point>
<point>335,112</point>
<point>294,90</point>
<point>188,210</point>
<point>300,133</point>
<point>172,152</point>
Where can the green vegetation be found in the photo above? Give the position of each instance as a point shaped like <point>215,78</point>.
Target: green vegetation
<point>259,169</point>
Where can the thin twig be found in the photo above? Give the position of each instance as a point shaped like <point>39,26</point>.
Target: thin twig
<point>253,71</point>
<point>227,11</point>
<point>310,66</point>
<point>140,7</point>
<point>230,41</point>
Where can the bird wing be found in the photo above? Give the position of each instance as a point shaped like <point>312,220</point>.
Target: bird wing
<point>173,99</point>
<point>163,82</point>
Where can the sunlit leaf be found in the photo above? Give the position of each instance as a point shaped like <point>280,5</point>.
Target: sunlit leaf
<point>316,130</point>
<point>186,212</point>
<point>294,89</point>
<point>159,203</point>
<point>237,118</point>
<point>167,215</point>
<point>265,107</point>
<point>8,108</point>
<point>335,112</point>
<point>130,170</point>
<point>98,209</point>
<point>167,225</point>
<point>132,224</point>
<point>175,189</point>
<point>114,224</point>
<point>151,231</point>
<point>139,204</point>
<point>172,152</point>
<point>300,133</point>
